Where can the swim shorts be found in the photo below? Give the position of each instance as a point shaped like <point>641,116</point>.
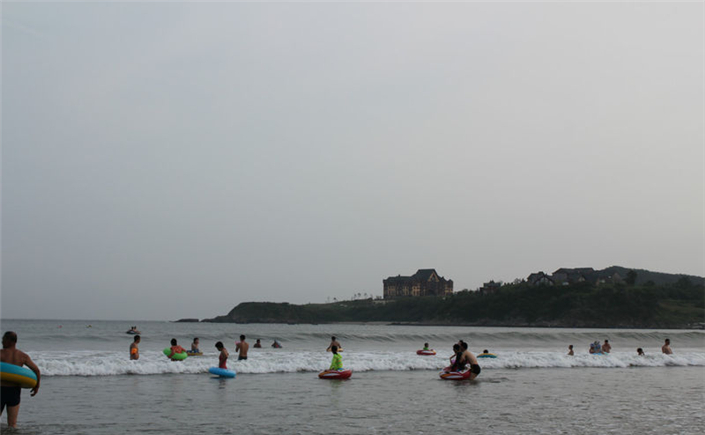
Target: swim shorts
<point>10,396</point>
<point>240,358</point>
<point>475,369</point>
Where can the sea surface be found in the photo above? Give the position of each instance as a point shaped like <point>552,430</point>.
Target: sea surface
<point>89,385</point>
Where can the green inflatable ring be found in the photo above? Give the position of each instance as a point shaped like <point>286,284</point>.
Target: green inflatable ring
<point>177,356</point>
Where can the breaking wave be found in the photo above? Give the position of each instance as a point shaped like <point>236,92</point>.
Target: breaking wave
<point>155,363</point>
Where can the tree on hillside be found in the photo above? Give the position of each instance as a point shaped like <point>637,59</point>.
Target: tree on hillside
<point>631,277</point>
<point>684,282</point>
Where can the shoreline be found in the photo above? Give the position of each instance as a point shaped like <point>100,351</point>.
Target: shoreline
<point>390,323</point>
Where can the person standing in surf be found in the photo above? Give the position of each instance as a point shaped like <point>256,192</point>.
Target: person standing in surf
<point>468,358</point>
<point>175,348</point>
<point>10,393</point>
<point>134,348</point>
<point>242,347</point>
<point>223,357</point>
<point>570,350</point>
<point>337,361</point>
<point>666,348</point>
<point>456,361</point>
<point>333,342</point>
<point>606,348</point>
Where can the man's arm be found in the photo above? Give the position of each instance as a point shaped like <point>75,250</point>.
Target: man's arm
<point>29,363</point>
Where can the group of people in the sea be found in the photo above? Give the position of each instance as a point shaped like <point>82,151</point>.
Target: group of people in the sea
<point>459,361</point>
<point>599,349</point>
<point>175,349</point>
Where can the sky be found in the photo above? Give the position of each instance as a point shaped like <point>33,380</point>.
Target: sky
<point>171,160</point>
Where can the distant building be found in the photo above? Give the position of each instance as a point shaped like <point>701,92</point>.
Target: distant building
<point>615,278</point>
<point>425,282</point>
<point>565,276</point>
<point>490,287</point>
<point>539,279</point>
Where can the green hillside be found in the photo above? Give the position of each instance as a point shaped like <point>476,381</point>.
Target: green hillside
<point>650,305</point>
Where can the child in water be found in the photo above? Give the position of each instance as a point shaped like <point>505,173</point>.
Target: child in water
<point>455,364</point>
<point>337,362</point>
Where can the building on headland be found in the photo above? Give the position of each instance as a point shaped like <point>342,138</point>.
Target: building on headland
<point>565,276</point>
<point>540,278</point>
<point>490,287</point>
<point>425,282</point>
<point>568,276</point>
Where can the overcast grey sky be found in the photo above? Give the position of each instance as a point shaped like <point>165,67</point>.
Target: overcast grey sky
<point>162,161</point>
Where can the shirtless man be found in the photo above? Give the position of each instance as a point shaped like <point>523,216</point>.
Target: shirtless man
<point>570,350</point>
<point>666,348</point>
<point>242,347</point>
<point>9,393</point>
<point>606,347</point>
<point>333,342</point>
<point>468,358</point>
<point>134,348</point>
<point>258,344</point>
<point>223,357</point>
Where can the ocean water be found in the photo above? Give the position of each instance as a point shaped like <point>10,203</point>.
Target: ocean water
<point>90,386</point>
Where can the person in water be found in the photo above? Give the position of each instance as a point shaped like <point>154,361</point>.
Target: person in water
<point>175,348</point>
<point>666,348</point>
<point>134,348</point>
<point>333,342</point>
<point>455,360</point>
<point>485,352</point>
<point>276,345</point>
<point>570,350</point>
<point>337,362</point>
<point>10,393</point>
<point>194,345</point>
<point>257,344</point>
<point>606,348</point>
<point>468,358</point>
<point>425,346</point>
<point>223,357</point>
<point>640,352</point>
<point>242,347</point>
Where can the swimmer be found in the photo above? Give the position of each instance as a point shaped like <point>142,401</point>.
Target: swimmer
<point>469,358</point>
<point>666,348</point>
<point>9,393</point>
<point>456,363</point>
<point>333,342</point>
<point>425,346</point>
<point>223,357</point>
<point>257,344</point>
<point>570,350</point>
<point>606,348</point>
<point>194,345</point>
<point>242,347</point>
<point>337,362</point>
<point>276,345</point>
<point>134,348</point>
<point>175,348</point>
<point>485,352</point>
<point>640,352</point>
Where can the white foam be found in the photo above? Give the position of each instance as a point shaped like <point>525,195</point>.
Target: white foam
<point>86,363</point>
